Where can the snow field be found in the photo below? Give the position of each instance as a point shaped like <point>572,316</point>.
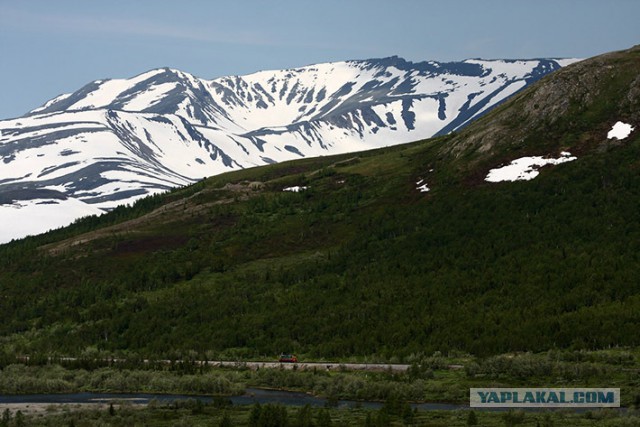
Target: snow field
<point>39,216</point>
<point>525,168</point>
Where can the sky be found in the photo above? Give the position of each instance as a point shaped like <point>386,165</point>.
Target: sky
<point>52,47</point>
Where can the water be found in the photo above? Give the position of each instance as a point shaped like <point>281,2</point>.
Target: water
<point>251,396</point>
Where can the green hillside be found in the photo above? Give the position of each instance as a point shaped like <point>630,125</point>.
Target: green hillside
<point>362,263</point>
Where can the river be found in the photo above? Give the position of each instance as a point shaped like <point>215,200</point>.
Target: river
<point>251,396</point>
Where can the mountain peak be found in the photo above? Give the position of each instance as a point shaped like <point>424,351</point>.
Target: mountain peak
<point>116,140</point>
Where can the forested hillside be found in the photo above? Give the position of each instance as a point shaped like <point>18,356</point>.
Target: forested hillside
<point>362,260</point>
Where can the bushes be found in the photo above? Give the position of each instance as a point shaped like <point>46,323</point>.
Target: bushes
<point>373,386</point>
<point>527,366</point>
<point>21,379</point>
<point>268,416</point>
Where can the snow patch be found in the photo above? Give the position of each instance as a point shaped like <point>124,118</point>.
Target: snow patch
<point>525,168</point>
<point>295,189</point>
<point>620,131</point>
<point>422,186</point>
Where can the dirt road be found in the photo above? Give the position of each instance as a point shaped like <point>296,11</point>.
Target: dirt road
<point>325,366</point>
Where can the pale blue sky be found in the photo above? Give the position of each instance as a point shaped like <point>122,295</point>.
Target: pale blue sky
<point>52,47</point>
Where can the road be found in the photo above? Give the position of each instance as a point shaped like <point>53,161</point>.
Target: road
<point>303,366</point>
<point>324,366</point>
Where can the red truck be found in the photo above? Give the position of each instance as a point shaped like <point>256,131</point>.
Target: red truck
<point>288,358</point>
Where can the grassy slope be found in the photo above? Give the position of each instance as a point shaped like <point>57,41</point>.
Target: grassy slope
<point>361,263</point>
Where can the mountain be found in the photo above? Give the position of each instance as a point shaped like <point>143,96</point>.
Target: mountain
<point>519,232</point>
<point>115,141</point>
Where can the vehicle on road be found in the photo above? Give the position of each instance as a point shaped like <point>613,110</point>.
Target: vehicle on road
<point>288,358</point>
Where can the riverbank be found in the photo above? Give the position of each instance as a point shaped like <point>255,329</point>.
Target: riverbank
<point>195,413</point>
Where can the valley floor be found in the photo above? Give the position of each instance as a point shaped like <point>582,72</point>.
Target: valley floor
<point>427,379</point>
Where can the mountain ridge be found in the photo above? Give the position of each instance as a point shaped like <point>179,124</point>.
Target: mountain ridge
<point>116,140</point>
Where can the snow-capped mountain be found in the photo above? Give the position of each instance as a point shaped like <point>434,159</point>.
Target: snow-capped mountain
<point>114,141</point>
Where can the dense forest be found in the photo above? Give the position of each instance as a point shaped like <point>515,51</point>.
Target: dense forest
<point>355,265</point>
